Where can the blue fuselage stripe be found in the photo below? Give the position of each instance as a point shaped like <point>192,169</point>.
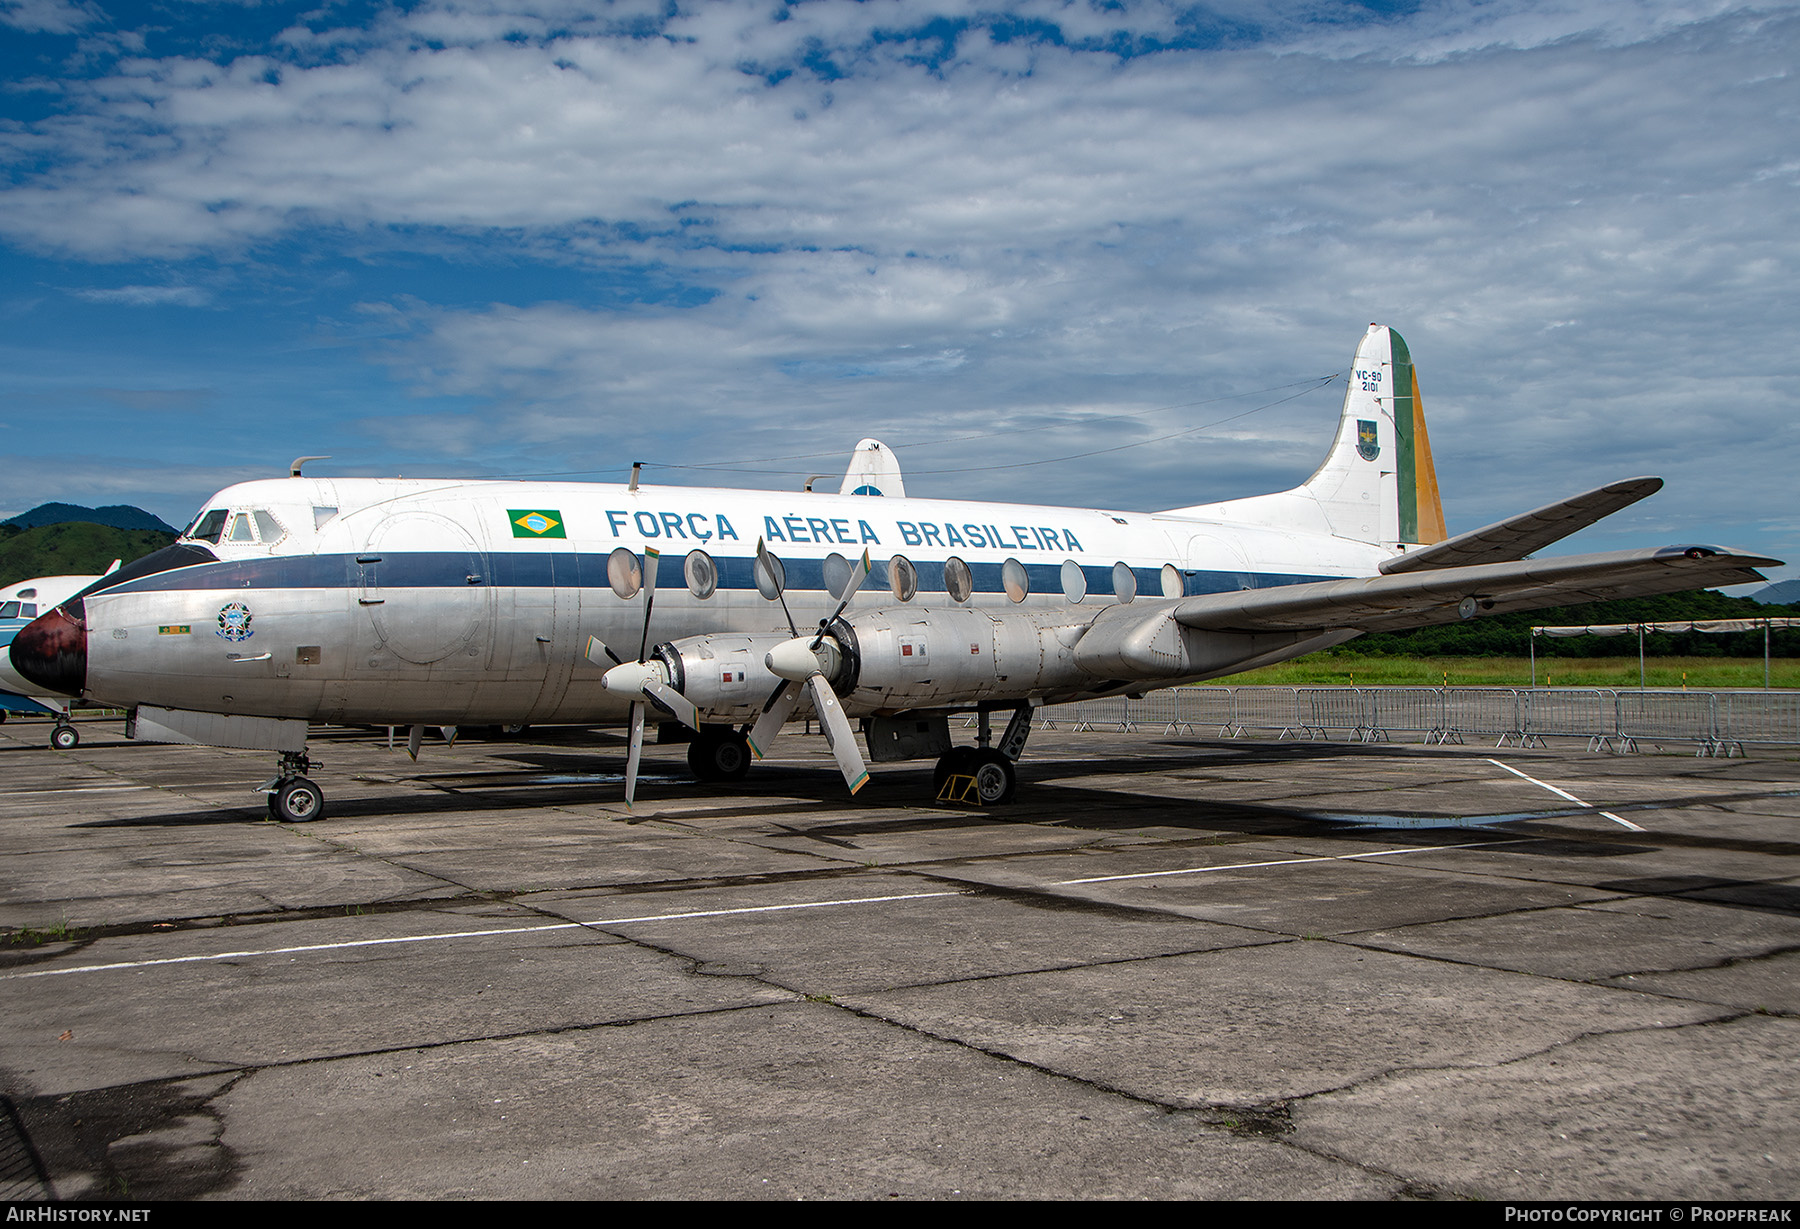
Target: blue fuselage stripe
<point>587,570</point>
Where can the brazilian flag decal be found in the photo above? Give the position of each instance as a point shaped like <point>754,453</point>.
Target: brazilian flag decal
<point>536,523</point>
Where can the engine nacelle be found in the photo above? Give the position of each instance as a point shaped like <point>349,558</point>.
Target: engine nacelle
<point>900,659</point>
<point>724,674</point>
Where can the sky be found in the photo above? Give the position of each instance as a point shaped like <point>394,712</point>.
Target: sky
<point>1024,244</point>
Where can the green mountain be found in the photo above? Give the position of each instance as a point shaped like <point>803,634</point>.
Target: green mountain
<point>119,516</point>
<point>72,548</point>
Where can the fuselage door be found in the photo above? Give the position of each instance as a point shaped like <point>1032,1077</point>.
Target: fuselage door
<point>426,587</point>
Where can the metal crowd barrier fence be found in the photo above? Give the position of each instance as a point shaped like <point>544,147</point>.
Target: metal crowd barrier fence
<point>1262,708</point>
<point>1717,723</point>
<point>1657,717</point>
<point>1408,710</point>
<point>1571,712</point>
<point>1757,717</point>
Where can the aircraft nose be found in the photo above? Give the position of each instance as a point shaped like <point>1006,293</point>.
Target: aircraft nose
<point>51,650</point>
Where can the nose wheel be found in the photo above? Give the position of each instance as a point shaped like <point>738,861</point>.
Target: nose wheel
<point>293,799</point>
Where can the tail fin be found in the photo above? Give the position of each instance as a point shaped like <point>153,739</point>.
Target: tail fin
<point>1378,483</point>
<point>874,470</point>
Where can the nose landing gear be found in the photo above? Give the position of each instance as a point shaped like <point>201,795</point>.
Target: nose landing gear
<point>292,798</point>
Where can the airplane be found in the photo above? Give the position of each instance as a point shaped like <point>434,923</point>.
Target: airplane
<point>19,605</point>
<point>442,602</point>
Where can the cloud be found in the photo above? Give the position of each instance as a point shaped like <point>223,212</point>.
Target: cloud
<point>49,16</point>
<point>1042,222</point>
<point>147,296</point>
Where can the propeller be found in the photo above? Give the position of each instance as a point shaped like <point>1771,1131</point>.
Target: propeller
<point>642,679</point>
<point>808,662</point>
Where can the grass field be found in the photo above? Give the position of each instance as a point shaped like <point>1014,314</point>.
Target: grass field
<point>1350,669</point>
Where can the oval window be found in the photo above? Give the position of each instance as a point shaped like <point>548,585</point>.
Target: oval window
<point>1124,582</point>
<point>771,576</point>
<point>1014,580</point>
<point>836,573</point>
<point>959,583</point>
<point>1074,581</point>
<point>903,578</point>
<point>702,574</point>
<point>1173,585</point>
<point>624,573</point>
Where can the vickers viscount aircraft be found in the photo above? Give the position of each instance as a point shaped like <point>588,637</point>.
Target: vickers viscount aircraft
<point>19,605</point>
<point>419,602</point>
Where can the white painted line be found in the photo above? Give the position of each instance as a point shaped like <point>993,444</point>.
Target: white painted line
<point>73,789</point>
<point>1563,793</point>
<point>254,953</point>
<point>1245,866</point>
<point>466,934</point>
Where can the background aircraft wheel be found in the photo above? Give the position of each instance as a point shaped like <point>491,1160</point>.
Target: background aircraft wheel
<point>2,716</point>
<point>297,801</point>
<point>994,777</point>
<point>65,738</point>
<point>716,756</point>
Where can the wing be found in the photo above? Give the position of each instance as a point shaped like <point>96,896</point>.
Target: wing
<point>1517,536</point>
<point>1441,595</point>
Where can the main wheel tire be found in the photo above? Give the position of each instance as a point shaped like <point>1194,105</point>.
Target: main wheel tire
<point>720,756</point>
<point>65,738</point>
<point>995,779</point>
<point>297,801</point>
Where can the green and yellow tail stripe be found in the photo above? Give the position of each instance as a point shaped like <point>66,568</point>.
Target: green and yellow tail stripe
<point>1421,507</point>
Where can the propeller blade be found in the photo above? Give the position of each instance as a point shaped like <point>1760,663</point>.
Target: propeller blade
<point>449,734</point>
<point>850,590</point>
<point>673,703</point>
<point>651,555</point>
<point>637,750</point>
<point>415,738</point>
<point>599,654</point>
<point>775,714</point>
<point>838,733</point>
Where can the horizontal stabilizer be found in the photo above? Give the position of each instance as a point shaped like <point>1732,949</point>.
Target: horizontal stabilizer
<point>1442,595</point>
<point>1517,536</point>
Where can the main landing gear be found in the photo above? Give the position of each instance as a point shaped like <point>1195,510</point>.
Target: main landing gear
<point>985,773</point>
<point>292,798</point>
<point>719,753</point>
<point>65,737</point>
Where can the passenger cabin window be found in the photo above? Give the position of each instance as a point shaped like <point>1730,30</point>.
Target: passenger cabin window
<point>702,574</point>
<point>1015,580</point>
<point>208,526</point>
<point>959,582</point>
<point>1074,581</point>
<point>903,578</point>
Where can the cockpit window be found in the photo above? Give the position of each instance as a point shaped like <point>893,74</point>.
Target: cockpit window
<point>208,526</point>
<point>268,528</point>
<point>240,529</point>
<point>322,515</point>
<point>9,610</point>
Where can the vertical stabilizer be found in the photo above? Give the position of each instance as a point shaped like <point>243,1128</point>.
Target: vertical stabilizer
<point>1378,483</point>
<point>874,470</point>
